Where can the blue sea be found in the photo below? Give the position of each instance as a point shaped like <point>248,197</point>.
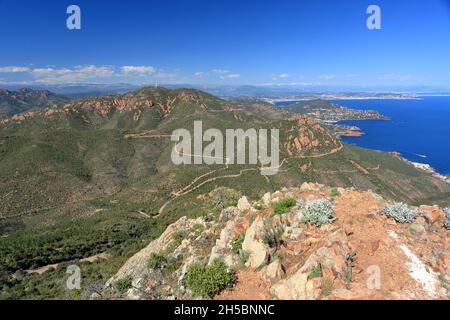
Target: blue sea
<point>418,129</point>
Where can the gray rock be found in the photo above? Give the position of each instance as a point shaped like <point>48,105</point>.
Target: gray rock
<point>417,228</point>
<point>258,251</point>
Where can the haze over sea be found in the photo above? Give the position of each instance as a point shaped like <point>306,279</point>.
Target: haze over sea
<point>418,129</point>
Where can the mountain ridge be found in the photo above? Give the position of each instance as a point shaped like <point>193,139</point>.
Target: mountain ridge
<point>25,99</point>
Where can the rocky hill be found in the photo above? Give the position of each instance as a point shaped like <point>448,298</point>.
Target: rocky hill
<point>311,242</point>
<point>23,100</point>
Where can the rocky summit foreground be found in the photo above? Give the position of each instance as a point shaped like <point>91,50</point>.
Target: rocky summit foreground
<point>284,247</point>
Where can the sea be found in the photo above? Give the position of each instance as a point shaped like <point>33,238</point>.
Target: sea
<point>419,129</point>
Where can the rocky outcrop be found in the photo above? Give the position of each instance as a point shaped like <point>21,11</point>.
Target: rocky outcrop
<point>305,137</point>
<point>258,251</point>
<point>360,255</point>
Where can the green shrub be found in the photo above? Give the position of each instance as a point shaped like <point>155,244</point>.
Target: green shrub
<point>208,281</point>
<point>400,212</point>
<point>319,212</point>
<point>197,229</point>
<point>123,284</point>
<point>283,206</point>
<point>334,192</point>
<point>258,206</point>
<point>327,287</point>
<point>177,239</point>
<point>236,243</point>
<point>447,218</point>
<point>272,235</point>
<point>172,266</point>
<point>316,272</point>
<point>156,261</point>
<point>243,257</point>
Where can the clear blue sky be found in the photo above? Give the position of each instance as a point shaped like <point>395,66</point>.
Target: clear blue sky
<point>226,42</point>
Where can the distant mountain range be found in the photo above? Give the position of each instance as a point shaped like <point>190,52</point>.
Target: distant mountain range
<point>271,91</point>
<point>23,100</point>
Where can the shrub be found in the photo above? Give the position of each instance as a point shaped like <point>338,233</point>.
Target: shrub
<point>283,206</point>
<point>156,261</point>
<point>208,281</point>
<point>197,229</point>
<point>319,212</point>
<point>177,239</point>
<point>316,272</point>
<point>327,286</point>
<point>400,213</point>
<point>172,266</point>
<point>334,192</point>
<point>258,206</point>
<point>243,257</point>
<point>123,284</point>
<point>447,218</point>
<point>272,235</point>
<point>236,243</point>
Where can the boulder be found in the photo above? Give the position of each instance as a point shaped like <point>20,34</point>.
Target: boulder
<point>432,214</point>
<point>306,187</point>
<point>296,287</point>
<point>243,204</point>
<point>258,251</point>
<point>417,228</point>
<point>222,244</point>
<point>273,271</point>
<point>293,233</point>
<point>266,199</point>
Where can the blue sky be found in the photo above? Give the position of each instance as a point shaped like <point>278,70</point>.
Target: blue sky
<point>226,42</point>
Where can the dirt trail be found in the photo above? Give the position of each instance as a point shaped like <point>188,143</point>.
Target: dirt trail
<point>249,286</point>
<point>48,267</point>
<point>186,190</point>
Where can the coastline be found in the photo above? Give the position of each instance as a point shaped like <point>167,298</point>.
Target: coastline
<point>424,167</point>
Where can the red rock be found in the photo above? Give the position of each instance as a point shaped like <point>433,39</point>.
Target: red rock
<point>328,273</point>
<point>373,246</point>
<point>432,214</point>
<point>339,264</point>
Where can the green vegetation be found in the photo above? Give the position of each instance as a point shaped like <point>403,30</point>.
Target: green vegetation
<point>283,206</point>
<point>123,284</point>
<point>177,239</point>
<point>319,212</point>
<point>349,271</point>
<point>316,272</point>
<point>334,192</point>
<point>243,257</point>
<point>236,243</point>
<point>445,283</point>
<point>327,286</point>
<point>208,281</point>
<point>400,212</point>
<point>447,218</point>
<point>156,261</point>
<point>272,236</point>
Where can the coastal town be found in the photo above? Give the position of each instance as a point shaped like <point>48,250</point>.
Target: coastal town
<point>330,114</point>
